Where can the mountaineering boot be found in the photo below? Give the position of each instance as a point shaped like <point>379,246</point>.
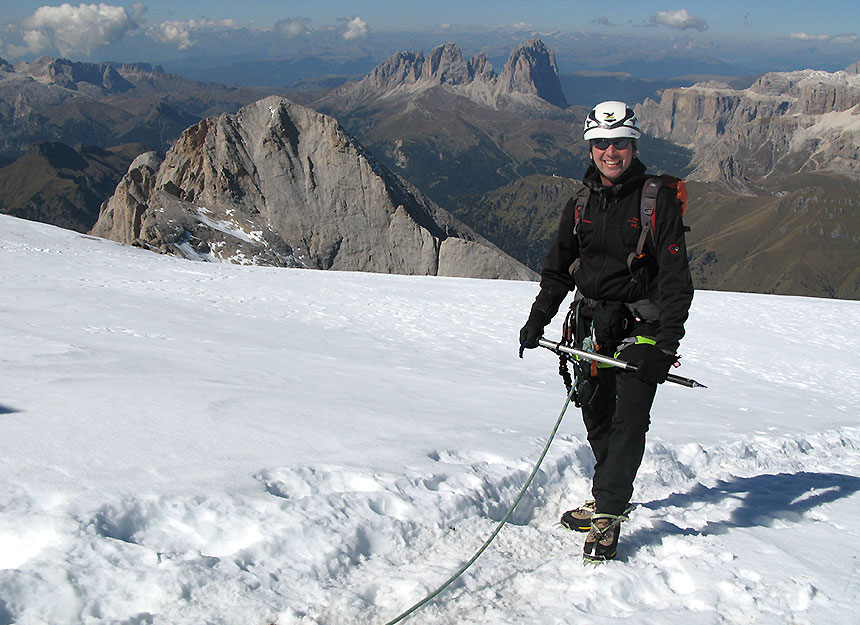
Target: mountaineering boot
<point>578,519</point>
<point>601,544</point>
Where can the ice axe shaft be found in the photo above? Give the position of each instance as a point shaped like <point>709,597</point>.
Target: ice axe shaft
<point>572,351</point>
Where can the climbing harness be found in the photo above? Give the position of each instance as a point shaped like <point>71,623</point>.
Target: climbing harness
<point>499,527</point>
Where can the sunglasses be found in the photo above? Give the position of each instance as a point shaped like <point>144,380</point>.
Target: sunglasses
<point>620,143</point>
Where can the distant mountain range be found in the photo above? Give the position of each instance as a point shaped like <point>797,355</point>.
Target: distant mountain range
<point>528,81</point>
<point>771,160</point>
<point>782,124</point>
<point>103,104</point>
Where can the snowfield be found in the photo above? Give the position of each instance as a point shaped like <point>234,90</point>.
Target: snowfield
<point>191,443</point>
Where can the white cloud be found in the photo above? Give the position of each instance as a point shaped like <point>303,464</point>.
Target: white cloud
<point>806,37</point>
<point>847,38</point>
<point>356,28</point>
<point>172,33</point>
<point>79,29</point>
<point>680,19</point>
<point>34,42</point>
<point>180,34</point>
<point>293,26</point>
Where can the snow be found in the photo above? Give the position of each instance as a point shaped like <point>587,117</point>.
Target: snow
<point>188,443</point>
<point>227,227</point>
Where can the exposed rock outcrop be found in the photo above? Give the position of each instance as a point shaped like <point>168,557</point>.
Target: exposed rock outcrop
<point>784,123</point>
<point>529,78</point>
<point>279,184</point>
<point>531,69</point>
<point>75,75</point>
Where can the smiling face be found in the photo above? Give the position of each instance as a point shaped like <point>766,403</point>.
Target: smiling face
<point>613,161</point>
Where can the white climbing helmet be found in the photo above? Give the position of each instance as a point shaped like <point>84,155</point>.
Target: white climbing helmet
<point>611,120</point>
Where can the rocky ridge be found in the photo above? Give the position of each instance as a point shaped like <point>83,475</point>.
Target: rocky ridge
<point>280,184</point>
<point>103,104</point>
<point>528,79</point>
<point>783,124</point>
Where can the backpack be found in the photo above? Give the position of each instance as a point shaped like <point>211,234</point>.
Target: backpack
<point>647,209</point>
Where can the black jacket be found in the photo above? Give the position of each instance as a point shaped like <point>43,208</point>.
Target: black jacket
<point>608,233</point>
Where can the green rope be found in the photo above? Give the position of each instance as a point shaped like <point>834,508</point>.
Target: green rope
<point>499,527</point>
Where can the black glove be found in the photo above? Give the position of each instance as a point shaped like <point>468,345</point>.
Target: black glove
<point>531,332</point>
<point>653,366</point>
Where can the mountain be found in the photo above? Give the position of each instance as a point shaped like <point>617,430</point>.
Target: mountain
<point>103,104</point>
<point>455,128</point>
<point>62,185</point>
<point>529,79</point>
<point>280,184</point>
<point>784,123</point>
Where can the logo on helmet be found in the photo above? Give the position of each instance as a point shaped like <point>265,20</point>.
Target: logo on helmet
<point>609,117</point>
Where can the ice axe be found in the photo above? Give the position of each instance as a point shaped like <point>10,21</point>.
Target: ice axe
<point>558,348</point>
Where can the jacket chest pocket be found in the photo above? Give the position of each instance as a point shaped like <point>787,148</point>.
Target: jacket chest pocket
<point>609,231</point>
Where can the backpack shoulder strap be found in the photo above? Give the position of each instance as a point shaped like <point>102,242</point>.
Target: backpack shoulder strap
<point>648,209</point>
<point>581,202</point>
<point>579,207</point>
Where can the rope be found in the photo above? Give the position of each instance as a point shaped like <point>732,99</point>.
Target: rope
<point>499,527</point>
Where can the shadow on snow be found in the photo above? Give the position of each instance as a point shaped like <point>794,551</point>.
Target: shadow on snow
<point>762,500</point>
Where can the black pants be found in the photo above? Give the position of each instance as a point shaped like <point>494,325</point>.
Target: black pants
<point>616,420</point>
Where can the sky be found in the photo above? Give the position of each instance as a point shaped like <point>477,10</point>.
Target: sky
<point>187,442</point>
<point>81,30</point>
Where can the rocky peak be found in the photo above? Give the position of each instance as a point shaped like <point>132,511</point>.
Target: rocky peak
<point>854,68</point>
<point>530,77</point>
<point>480,68</point>
<point>532,69</point>
<point>280,184</point>
<point>445,64</point>
<point>73,74</point>
<point>402,68</point>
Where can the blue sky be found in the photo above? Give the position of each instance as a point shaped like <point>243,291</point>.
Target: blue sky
<point>161,28</point>
<point>727,17</point>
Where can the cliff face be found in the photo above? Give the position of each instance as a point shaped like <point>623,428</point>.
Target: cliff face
<point>530,77</point>
<point>280,184</point>
<point>784,123</point>
<point>531,69</point>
